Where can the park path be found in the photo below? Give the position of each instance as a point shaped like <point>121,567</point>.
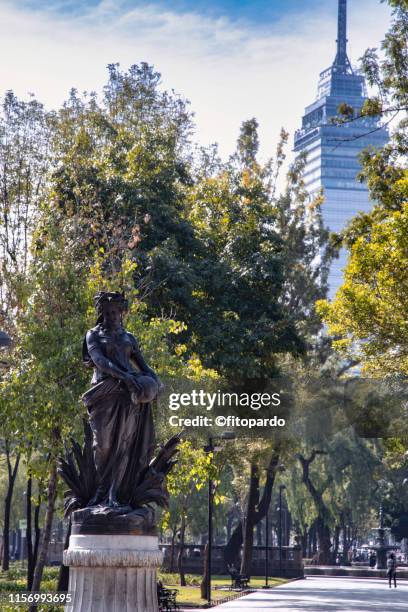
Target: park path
<point>323,594</point>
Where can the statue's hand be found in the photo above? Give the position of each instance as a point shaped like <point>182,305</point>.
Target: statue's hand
<point>132,385</point>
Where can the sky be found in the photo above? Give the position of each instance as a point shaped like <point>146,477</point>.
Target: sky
<point>233,59</point>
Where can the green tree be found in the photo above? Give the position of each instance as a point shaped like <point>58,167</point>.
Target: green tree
<point>118,170</point>
<point>48,376</point>
<point>266,264</point>
<point>335,468</point>
<point>260,249</point>
<point>24,145</point>
<point>190,474</point>
<point>367,315</point>
<point>122,168</point>
<point>212,244</point>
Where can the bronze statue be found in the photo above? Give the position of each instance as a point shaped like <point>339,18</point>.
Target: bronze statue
<point>118,403</point>
<point>115,473</point>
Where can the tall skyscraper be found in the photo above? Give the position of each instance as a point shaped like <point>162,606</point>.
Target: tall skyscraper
<point>332,150</point>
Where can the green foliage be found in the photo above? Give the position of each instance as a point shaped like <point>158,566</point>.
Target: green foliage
<point>345,111</point>
<point>346,468</point>
<point>372,107</point>
<point>47,376</point>
<point>24,158</point>
<point>299,502</point>
<point>222,273</point>
<point>259,251</point>
<point>24,139</point>
<point>346,478</point>
<point>122,171</point>
<point>367,315</point>
<point>371,304</point>
<point>389,75</point>
<point>157,335</point>
<point>211,243</point>
<point>190,474</point>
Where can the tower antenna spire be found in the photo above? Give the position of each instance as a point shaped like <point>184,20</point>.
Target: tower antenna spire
<point>342,62</point>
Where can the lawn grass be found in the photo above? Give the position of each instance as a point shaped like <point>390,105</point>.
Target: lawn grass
<point>14,580</point>
<point>190,595</point>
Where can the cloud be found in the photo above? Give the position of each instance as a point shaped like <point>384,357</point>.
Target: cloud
<point>229,69</point>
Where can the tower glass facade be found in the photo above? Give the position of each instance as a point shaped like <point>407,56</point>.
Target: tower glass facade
<point>333,150</point>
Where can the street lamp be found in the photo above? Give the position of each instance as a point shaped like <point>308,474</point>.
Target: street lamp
<point>210,448</point>
<point>282,487</point>
<point>23,532</point>
<point>281,468</point>
<point>266,585</point>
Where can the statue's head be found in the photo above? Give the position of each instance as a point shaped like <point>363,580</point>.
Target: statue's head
<point>110,307</point>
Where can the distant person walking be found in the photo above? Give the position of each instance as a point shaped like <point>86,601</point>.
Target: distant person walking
<point>392,570</point>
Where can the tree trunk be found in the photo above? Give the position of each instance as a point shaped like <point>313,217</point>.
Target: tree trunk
<point>322,521</point>
<point>259,535</point>
<point>173,538</point>
<point>233,547</point>
<point>303,543</point>
<point>314,539</point>
<point>63,576</point>
<point>12,474</point>
<point>230,520</point>
<point>288,527</point>
<point>181,551</point>
<point>249,522</point>
<point>354,534</point>
<point>336,541</point>
<point>324,539</point>
<point>203,585</point>
<point>346,542</point>
<point>51,495</point>
<point>29,533</point>
<point>309,553</point>
<point>37,531</point>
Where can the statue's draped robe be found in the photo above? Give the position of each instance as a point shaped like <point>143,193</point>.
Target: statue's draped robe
<point>123,432</point>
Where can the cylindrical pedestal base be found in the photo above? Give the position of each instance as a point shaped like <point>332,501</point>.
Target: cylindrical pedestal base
<point>381,558</point>
<point>113,573</point>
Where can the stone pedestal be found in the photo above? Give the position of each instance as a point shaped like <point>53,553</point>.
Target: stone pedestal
<point>112,573</point>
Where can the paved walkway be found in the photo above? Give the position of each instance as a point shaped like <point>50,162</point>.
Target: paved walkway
<point>322,594</point>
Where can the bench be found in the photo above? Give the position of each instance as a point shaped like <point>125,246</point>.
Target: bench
<point>238,581</point>
<point>166,598</point>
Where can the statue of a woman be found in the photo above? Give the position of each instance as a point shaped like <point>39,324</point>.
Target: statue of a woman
<point>118,404</point>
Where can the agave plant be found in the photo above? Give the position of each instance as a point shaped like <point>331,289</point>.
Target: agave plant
<point>78,470</point>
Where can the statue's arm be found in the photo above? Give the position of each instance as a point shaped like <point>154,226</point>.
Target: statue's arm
<point>140,360</point>
<point>100,361</point>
